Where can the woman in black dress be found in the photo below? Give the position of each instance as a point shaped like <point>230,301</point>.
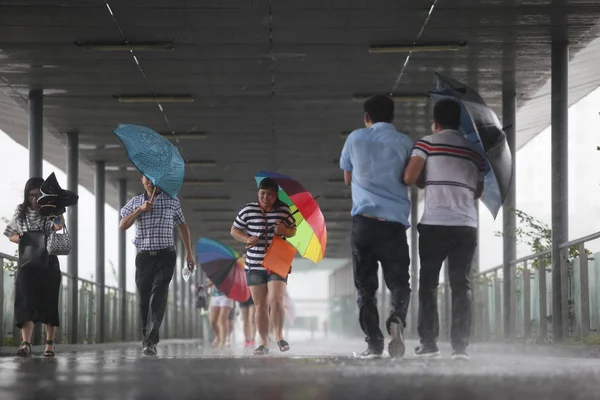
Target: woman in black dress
<point>38,276</point>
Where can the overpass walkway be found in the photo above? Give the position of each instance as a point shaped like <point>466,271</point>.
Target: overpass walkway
<point>324,369</point>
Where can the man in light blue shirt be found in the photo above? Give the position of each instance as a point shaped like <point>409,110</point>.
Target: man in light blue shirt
<point>373,160</point>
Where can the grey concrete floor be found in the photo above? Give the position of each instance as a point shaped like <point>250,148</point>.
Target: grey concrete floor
<point>311,370</point>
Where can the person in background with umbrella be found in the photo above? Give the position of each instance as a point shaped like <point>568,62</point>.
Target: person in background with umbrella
<point>155,215</point>
<point>38,277</point>
<point>255,225</point>
<point>220,310</point>
<point>452,171</point>
<point>373,160</point>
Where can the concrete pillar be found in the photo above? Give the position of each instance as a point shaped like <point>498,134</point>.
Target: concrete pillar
<point>509,218</point>
<point>183,291</point>
<point>36,155</point>
<point>36,132</point>
<point>73,226</point>
<point>175,287</point>
<point>560,182</point>
<point>100,186</point>
<point>122,250</point>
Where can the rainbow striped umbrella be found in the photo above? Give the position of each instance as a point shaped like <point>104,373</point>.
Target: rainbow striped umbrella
<point>224,267</point>
<point>311,234</point>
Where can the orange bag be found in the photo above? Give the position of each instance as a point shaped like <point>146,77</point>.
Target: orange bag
<point>279,257</point>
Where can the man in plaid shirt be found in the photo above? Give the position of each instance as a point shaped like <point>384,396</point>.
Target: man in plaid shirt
<point>155,215</point>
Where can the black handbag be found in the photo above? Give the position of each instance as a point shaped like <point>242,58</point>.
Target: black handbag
<point>32,250</point>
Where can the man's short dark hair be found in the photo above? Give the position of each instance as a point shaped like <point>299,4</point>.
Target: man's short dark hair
<point>446,113</point>
<point>380,108</point>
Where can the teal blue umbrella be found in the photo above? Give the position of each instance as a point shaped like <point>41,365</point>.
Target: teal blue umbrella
<point>154,156</point>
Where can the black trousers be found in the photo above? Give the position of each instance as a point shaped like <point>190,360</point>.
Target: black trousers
<point>376,241</point>
<point>153,274</point>
<point>436,243</point>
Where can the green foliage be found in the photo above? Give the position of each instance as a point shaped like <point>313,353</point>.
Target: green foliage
<point>591,339</point>
<point>538,236</point>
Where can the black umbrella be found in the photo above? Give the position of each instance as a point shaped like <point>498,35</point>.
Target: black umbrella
<point>54,199</point>
<point>480,125</point>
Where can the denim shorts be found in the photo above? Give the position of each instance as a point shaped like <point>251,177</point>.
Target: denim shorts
<point>257,277</point>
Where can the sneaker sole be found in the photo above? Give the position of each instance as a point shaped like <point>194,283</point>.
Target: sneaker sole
<point>369,357</point>
<point>396,347</point>
<point>460,357</point>
<point>428,355</point>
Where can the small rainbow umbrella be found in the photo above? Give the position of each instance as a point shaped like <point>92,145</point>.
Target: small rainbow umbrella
<point>311,234</point>
<point>224,267</point>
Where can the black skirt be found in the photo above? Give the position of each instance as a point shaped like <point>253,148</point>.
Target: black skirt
<point>36,295</point>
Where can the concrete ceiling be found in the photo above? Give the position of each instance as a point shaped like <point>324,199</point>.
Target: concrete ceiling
<point>272,82</point>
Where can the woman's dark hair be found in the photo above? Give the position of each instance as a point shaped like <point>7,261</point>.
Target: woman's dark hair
<point>31,184</point>
<point>270,184</point>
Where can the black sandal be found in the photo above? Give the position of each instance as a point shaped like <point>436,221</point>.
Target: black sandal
<point>283,345</point>
<point>261,351</point>
<point>49,353</point>
<point>24,350</point>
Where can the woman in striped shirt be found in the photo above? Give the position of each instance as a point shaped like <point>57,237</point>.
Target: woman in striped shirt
<point>38,277</point>
<point>256,225</point>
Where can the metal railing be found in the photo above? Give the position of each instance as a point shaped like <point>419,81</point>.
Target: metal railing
<point>531,295</point>
<point>181,321</point>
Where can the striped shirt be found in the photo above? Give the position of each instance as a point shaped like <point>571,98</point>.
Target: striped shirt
<point>453,168</point>
<point>252,220</point>
<point>154,229</point>
<point>32,222</point>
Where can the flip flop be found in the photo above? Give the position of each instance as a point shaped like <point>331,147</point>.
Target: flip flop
<point>261,351</point>
<point>283,345</point>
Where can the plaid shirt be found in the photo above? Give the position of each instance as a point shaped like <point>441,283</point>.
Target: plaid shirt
<point>154,229</point>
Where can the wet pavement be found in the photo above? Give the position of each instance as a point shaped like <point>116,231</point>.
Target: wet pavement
<point>311,370</point>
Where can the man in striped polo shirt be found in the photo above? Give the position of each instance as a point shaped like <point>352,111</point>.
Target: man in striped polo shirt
<point>451,169</point>
<point>255,225</point>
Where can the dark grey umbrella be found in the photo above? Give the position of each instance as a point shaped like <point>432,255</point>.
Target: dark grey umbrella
<point>480,125</point>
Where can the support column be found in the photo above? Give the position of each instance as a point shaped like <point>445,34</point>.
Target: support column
<point>122,250</point>
<point>100,185</point>
<point>560,182</point>
<point>414,261</point>
<point>36,156</point>
<point>184,311</point>
<point>176,294</point>
<point>509,217</point>
<point>36,132</point>
<point>73,226</point>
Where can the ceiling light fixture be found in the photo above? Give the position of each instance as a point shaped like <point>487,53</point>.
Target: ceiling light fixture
<point>395,97</point>
<point>214,210</point>
<point>119,168</point>
<point>126,47</point>
<point>204,182</point>
<point>201,163</point>
<point>207,199</point>
<point>154,99</point>
<point>185,135</point>
<point>407,47</point>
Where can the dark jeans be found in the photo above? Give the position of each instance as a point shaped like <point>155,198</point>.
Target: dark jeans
<point>376,241</point>
<point>153,274</point>
<point>436,243</point>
